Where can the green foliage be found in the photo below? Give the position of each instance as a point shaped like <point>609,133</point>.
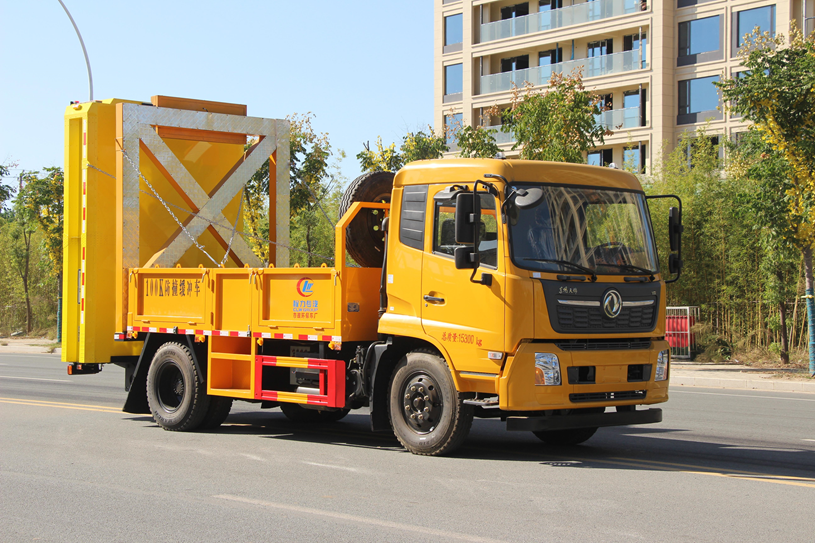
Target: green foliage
<point>42,197</point>
<point>384,159</point>
<point>415,146</point>
<point>777,93</point>
<point>6,192</point>
<point>556,124</point>
<point>736,269</point>
<point>421,146</point>
<point>309,153</point>
<point>476,142</point>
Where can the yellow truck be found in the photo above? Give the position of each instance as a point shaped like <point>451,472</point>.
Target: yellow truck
<point>520,290</point>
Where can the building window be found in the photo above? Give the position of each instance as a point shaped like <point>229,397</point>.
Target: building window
<point>452,124</point>
<point>513,64</point>
<point>549,5</point>
<point>606,101</point>
<point>601,157</point>
<point>634,158</point>
<point>453,33</point>
<point>746,21</point>
<point>700,40</point>
<point>453,82</point>
<point>518,10</point>
<point>634,113</point>
<point>632,43</point>
<point>552,56</point>
<point>698,100</point>
<point>600,48</point>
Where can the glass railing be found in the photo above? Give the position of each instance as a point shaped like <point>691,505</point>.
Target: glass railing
<point>615,119</point>
<point>539,75</point>
<point>558,18</point>
<point>501,137</point>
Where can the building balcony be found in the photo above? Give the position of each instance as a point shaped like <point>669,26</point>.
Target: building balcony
<point>616,119</point>
<point>578,14</point>
<point>539,75</point>
<point>501,138</point>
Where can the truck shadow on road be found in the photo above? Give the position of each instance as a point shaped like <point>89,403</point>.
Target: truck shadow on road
<point>628,448</point>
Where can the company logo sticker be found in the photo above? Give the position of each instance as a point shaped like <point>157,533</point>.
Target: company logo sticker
<point>305,287</point>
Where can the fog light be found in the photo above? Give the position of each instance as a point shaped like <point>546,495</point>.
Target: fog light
<point>662,365</point>
<point>547,369</point>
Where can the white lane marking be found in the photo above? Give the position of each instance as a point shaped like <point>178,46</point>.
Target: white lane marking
<point>330,466</point>
<point>35,379</point>
<point>809,440</point>
<point>253,457</point>
<point>361,520</point>
<point>674,391</point>
<point>764,449</point>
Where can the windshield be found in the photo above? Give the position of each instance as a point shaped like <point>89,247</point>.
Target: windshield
<point>594,229</point>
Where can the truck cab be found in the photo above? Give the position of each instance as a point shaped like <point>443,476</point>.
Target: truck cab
<point>554,314</point>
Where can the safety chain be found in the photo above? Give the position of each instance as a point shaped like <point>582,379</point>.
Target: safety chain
<point>212,222</point>
<point>160,199</point>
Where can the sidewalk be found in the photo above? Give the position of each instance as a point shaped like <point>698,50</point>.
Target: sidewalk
<point>737,376</point>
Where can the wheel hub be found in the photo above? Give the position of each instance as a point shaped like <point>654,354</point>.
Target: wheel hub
<point>170,388</point>
<point>422,404</point>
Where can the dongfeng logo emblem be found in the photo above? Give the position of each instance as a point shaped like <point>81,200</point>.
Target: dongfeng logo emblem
<point>612,304</point>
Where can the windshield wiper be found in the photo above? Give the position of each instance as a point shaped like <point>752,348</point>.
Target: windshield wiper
<point>635,269</point>
<point>567,263</point>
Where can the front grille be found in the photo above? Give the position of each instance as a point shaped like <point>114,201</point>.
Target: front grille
<point>604,344</point>
<point>607,396</point>
<point>585,318</point>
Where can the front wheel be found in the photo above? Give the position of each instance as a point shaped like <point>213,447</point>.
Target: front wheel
<point>426,413</point>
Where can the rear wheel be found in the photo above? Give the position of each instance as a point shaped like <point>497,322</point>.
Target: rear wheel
<point>297,413</point>
<point>178,400</point>
<point>427,415</point>
<point>219,408</point>
<point>573,436</point>
<point>365,240</point>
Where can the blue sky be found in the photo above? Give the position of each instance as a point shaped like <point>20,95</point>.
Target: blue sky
<point>364,68</point>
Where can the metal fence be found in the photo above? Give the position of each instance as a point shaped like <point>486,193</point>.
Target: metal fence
<point>679,323</point>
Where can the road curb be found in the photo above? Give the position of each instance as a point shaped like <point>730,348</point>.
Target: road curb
<point>744,384</point>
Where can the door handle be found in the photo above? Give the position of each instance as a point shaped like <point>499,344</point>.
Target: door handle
<point>433,299</point>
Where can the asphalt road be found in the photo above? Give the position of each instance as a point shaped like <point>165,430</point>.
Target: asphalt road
<point>723,466</point>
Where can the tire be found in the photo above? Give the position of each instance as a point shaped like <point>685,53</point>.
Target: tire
<point>573,436</point>
<point>219,408</point>
<point>297,413</point>
<point>423,387</point>
<point>365,240</point>
<point>178,400</point>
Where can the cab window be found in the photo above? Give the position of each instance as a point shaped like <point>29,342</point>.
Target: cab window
<point>444,228</point>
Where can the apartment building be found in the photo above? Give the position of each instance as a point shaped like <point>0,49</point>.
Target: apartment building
<point>652,62</point>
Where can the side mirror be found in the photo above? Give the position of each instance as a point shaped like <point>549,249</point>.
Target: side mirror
<point>675,228</point>
<point>465,258</point>
<point>674,264</point>
<point>528,198</point>
<point>468,216</point>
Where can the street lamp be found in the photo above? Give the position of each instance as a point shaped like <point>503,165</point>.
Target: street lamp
<point>85,51</point>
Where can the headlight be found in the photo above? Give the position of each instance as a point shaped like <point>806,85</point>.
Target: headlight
<point>547,369</point>
<point>662,365</point>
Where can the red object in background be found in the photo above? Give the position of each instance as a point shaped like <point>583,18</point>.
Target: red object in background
<point>676,330</point>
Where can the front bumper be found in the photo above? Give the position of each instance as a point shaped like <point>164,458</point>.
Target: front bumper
<point>589,420</point>
<point>611,383</point>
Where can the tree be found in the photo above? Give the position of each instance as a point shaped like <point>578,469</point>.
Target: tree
<point>415,146</point>
<point>43,198</point>
<point>309,153</point>
<point>556,124</point>
<point>476,142</point>
<point>777,93</point>
<point>5,191</point>
<point>21,229</point>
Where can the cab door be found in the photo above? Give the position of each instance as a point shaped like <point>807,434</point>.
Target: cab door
<point>467,318</point>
